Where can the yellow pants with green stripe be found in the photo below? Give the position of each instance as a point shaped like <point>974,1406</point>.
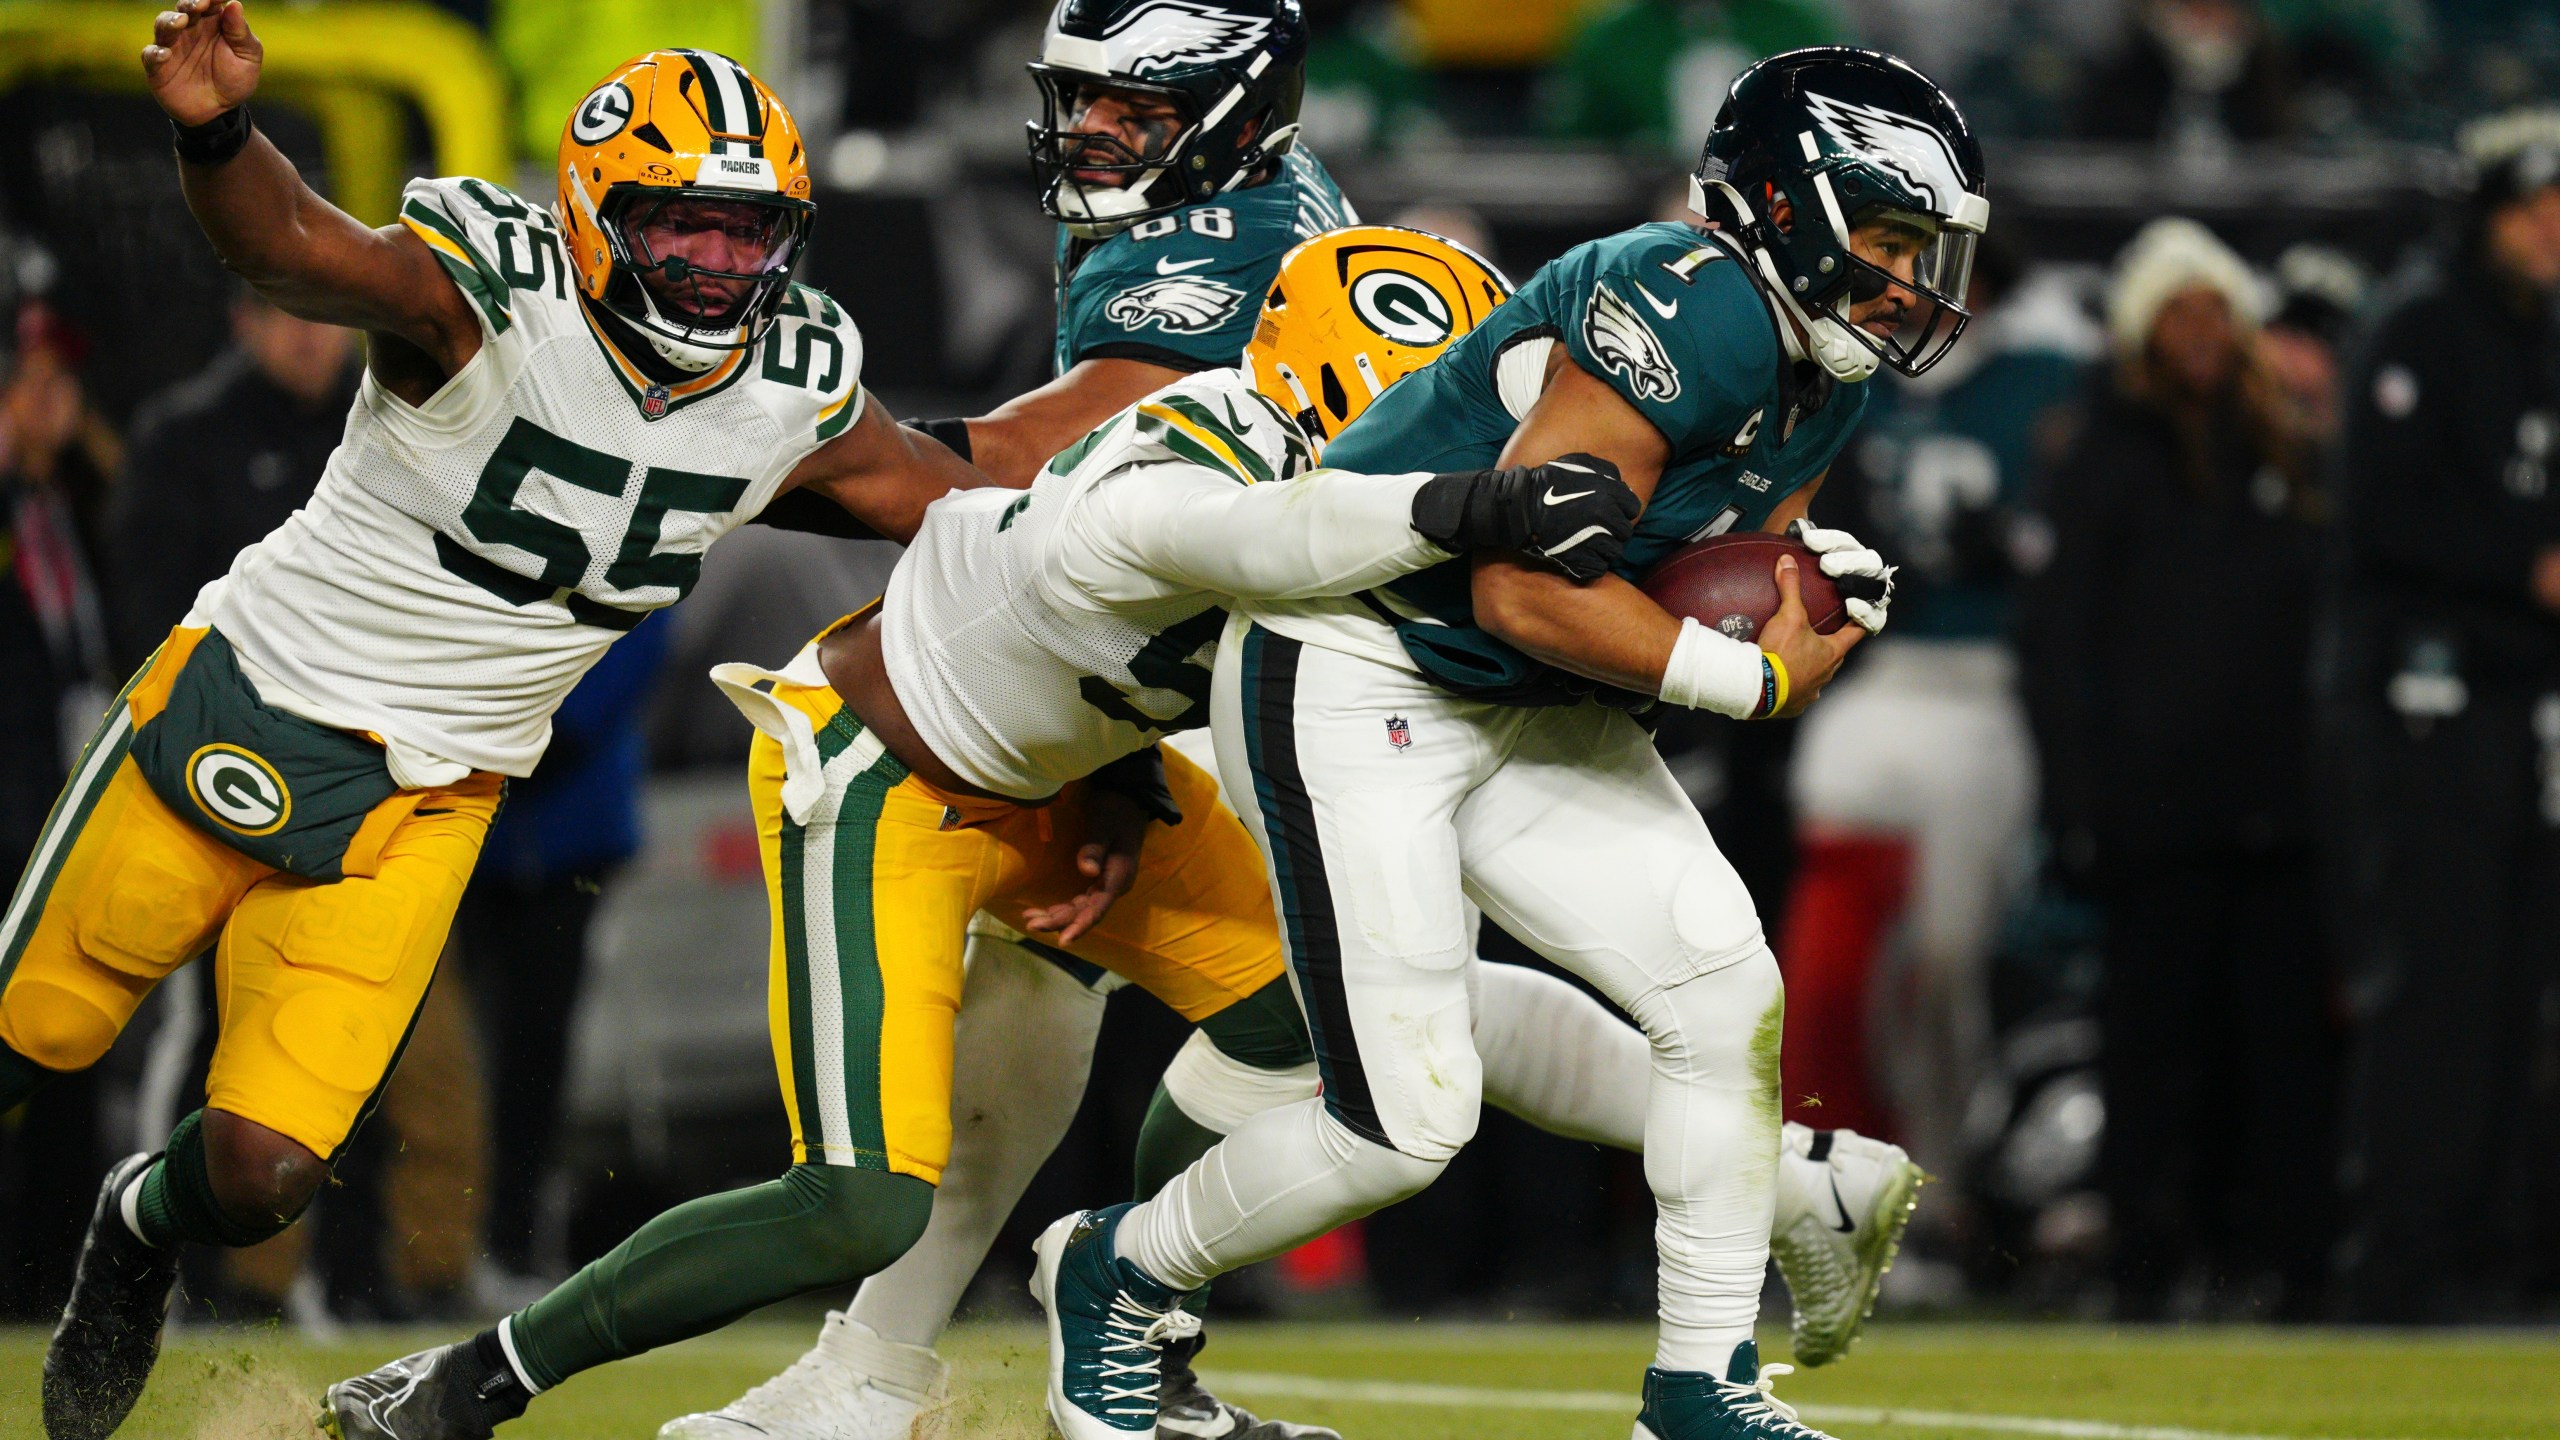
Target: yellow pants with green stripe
<point>317,984</point>
<point>871,899</point>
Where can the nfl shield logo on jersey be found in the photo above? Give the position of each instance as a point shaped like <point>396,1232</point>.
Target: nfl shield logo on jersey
<point>653,402</point>
<point>1399,733</point>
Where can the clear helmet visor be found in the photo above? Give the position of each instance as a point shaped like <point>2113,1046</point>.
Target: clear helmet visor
<point>1908,273</point>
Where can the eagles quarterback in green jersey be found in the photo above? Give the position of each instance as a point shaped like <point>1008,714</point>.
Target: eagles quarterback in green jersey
<point>1467,733</point>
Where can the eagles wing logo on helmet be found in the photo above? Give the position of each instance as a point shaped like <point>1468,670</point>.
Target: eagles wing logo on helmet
<point>1179,33</point>
<point>1907,147</point>
<point>1177,304</point>
<point>1620,340</point>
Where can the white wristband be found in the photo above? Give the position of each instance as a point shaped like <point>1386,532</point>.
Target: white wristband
<point>1710,670</point>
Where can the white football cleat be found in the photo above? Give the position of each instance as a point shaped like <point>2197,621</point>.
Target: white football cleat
<point>851,1385</point>
<point>1843,1203</point>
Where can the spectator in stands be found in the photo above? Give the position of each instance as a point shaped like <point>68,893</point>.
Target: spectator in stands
<point>524,924</point>
<point>220,460</point>
<point>57,459</point>
<point>2446,685</point>
<point>2194,75</point>
<point>1915,778</point>
<point>1653,73</point>
<point>2165,650</point>
<point>2320,298</point>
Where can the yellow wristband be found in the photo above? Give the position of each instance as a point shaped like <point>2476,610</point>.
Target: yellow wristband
<point>1778,673</point>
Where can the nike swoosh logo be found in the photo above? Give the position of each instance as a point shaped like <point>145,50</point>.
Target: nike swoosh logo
<point>1555,499</point>
<point>1585,533</point>
<point>1665,311</point>
<point>1846,1226</point>
<point>1168,266</point>
<point>1201,1429</point>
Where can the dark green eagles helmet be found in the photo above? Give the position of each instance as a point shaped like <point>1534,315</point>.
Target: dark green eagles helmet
<point>1849,137</point>
<point>1232,70</point>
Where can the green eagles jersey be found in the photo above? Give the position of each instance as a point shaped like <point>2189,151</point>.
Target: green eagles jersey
<point>1671,319</point>
<point>1183,289</point>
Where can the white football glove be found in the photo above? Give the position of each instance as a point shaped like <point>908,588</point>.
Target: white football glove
<point>1865,581</point>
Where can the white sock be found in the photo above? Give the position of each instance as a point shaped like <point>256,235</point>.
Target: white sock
<point>1283,1178</point>
<point>129,1204</point>
<point>1711,1155</point>
<point>1022,1051</point>
<point>1559,1058</point>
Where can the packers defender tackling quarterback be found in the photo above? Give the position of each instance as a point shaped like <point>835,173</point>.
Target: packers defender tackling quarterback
<point>562,409</point>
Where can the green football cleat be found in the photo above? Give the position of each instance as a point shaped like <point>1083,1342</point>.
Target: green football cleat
<point>102,1352</point>
<point>1694,1405</point>
<point>1108,1324</point>
<point>1843,1202</point>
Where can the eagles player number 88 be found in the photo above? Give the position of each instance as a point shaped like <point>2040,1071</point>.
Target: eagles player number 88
<point>1215,222</point>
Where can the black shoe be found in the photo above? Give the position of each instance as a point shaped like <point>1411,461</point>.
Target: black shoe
<point>103,1350</point>
<point>1186,1410</point>
<point>453,1392</point>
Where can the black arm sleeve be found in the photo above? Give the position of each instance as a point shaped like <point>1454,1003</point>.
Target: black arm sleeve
<point>1139,778</point>
<point>812,513</point>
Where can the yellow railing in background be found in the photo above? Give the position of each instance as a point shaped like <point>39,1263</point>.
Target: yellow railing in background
<point>347,65</point>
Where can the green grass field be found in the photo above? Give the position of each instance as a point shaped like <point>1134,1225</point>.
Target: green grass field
<point>1521,1382</point>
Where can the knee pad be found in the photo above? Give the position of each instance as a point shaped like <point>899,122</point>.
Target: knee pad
<point>1723,1026</point>
<point>855,1223</point>
<point>1379,1175</point>
<point>56,1028</point>
<point>1220,1092</point>
<point>1426,1083</point>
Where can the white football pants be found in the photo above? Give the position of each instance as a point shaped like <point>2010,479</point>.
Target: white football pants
<point>1555,1057</point>
<point>1382,804</point>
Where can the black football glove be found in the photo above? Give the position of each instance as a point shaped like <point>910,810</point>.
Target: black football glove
<point>1574,513</point>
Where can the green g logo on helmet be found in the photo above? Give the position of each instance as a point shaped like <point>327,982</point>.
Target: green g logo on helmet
<point>239,789</point>
<point>1401,308</point>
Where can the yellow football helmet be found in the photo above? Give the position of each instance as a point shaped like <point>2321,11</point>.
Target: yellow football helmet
<point>685,139</point>
<point>1353,311</point>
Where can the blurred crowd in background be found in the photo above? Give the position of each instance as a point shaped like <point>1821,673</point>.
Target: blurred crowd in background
<point>2178,878</point>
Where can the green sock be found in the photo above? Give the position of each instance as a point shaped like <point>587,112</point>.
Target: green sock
<point>177,1201</point>
<point>1168,1141</point>
<point>709,1261</point>
<point>20,1078</point>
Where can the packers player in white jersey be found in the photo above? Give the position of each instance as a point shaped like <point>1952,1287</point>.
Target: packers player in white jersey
<point>561,410</point>
<point>898,792</point>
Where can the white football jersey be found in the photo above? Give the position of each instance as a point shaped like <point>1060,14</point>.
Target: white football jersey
<point>1036,635</point>
<point>463,562</point>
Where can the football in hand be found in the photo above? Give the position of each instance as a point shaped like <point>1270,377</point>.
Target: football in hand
<point>1729,583</point>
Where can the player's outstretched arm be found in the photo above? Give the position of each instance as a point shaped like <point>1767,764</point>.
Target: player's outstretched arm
<point>882,473</point>
<point>304,254</point>
<point>1011,442</point>
<point>1609,631</point>
<point>1332,532</point>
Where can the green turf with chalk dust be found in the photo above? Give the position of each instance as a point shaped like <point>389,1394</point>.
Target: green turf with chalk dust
<point>1520,1382</point>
